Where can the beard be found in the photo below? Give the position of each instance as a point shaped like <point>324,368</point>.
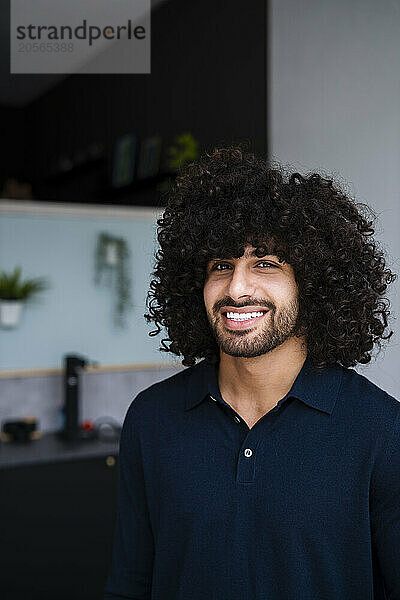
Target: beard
<point>275,329</point>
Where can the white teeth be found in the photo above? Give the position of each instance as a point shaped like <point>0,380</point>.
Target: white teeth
<point>243,316</point>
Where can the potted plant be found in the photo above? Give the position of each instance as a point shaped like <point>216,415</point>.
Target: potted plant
<point>184,148</point>
<point>111,260</point>
<point>14,292</point>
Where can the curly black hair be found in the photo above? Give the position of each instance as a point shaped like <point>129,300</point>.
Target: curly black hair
<point>230,197</point>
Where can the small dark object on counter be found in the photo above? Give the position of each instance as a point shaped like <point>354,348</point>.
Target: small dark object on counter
<point>20,430</point>
<point>87,431</point>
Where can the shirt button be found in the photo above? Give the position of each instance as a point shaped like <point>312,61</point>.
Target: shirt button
<point>236,419</point>
<point>248,452</point>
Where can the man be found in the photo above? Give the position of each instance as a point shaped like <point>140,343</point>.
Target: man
<point>269,469</point>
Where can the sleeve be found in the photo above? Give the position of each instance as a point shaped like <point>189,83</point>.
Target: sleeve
<point>385,511</point>
<point>130,573</point>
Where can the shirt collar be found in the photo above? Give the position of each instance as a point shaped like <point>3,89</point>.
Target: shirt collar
<point>317,388</point>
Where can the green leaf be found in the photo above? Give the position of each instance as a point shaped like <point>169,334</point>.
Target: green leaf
<point>13,288</point>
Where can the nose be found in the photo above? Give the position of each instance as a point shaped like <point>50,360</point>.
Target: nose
<point>240,284</point>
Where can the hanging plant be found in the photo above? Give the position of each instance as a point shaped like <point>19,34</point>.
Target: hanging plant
<point>111,263</point>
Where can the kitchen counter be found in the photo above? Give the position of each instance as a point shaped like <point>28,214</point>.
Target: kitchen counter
<point>50,448</point>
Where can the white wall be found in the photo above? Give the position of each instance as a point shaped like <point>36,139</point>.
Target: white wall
<point>334,107</point>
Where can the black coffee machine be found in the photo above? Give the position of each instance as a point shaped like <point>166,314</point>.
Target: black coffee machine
<point>70,426</point>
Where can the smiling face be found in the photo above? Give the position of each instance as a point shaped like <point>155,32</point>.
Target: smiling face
<point>251,303</point>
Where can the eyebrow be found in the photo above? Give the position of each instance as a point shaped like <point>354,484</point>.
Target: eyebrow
<point>251,254</point>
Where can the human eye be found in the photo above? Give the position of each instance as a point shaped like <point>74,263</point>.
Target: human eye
<point>219,266</point>
<point>266,264</point>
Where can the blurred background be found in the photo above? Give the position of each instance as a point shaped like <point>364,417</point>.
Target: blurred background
<point>87,161</point>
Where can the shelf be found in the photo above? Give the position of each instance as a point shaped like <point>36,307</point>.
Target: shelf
<point>99,163</point>
<point>136,186</point>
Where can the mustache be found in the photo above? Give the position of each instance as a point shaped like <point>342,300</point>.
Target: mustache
<point>228,302</point>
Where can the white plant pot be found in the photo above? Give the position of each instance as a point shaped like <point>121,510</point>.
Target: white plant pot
<point>111,257</point>
<point>10,312</point>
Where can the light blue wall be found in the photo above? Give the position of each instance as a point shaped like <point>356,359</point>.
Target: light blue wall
<point>75,315</point>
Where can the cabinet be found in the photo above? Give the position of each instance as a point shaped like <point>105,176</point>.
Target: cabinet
<point>57,526</point>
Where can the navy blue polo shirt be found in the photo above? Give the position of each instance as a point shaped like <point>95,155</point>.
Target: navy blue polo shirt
<point>305,505</point>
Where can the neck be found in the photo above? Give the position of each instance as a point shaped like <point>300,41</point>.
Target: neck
<point>259,383</point>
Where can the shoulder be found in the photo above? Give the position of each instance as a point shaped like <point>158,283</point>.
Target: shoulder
<point>165,395</point>
<point>368,403</point>
<point>360,386</point>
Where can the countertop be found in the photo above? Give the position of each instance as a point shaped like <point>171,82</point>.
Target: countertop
<point>51,448</point>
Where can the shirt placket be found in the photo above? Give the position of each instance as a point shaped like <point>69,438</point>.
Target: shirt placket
<point>250,447</point>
